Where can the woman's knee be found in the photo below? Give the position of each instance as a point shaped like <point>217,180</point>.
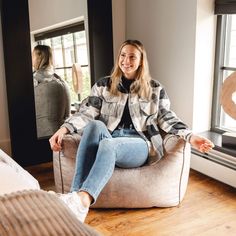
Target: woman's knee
<point>107,150</point>
<point>107,144</point>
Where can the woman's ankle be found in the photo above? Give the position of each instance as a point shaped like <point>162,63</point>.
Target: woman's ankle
<point>85,198</point>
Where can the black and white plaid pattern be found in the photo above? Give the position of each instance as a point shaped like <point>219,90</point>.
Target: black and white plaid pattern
<point>147,115</point>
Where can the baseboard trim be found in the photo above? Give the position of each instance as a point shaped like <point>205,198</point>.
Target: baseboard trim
<point>214,170</point>
<point>5,145</point>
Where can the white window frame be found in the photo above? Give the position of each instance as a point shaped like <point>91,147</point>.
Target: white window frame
<point>221,69</point>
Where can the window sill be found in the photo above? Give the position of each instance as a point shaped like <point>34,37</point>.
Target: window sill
<point>216,138</point>
<point>219,163</point>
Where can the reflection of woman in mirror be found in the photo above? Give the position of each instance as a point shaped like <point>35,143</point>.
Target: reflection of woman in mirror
<point>42,63</point>
<point>52,98</point>
<point>120,124</point>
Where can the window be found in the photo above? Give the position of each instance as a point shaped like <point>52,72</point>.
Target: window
<point>225,64</point>
<point>68,46</point>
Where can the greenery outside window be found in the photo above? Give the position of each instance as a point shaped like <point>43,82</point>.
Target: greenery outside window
<point>69,46</point>
<point>225,64</point>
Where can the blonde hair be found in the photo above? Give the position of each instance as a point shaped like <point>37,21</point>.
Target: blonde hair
<point>141,85</point>
<point>43,57</point>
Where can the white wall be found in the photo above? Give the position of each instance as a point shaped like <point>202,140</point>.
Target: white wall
<point>4,123</point>
<point>167,31</point>
<point>172,33</point>
<point>204,65</point>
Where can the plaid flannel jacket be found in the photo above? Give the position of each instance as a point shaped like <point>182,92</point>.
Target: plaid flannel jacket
<point>147,115</point>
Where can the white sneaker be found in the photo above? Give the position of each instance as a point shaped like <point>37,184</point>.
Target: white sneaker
<point>73,201</point>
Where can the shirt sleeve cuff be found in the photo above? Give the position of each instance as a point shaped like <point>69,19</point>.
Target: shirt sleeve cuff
<point>69,127</point>
<point>188,137</point>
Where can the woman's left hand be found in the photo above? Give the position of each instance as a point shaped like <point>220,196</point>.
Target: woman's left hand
<point>200,143</point>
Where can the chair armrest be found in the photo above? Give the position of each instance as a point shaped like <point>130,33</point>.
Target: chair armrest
<point>70,144</point>
<point>173,144</point>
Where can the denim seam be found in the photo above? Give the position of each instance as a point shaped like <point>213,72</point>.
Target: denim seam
<point>96,193</point>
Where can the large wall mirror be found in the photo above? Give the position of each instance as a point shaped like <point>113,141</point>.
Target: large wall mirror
<point>60,60</point>
<point>27,147</point>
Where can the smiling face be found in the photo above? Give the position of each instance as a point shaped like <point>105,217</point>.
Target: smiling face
<point>129,61</point>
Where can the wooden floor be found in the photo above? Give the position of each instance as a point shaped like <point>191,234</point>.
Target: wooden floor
<point>209,209</point>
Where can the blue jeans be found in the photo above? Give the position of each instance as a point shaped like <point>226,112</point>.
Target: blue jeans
<point>99,152</point>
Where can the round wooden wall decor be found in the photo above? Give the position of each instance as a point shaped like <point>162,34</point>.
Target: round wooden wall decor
<point>228,95</point>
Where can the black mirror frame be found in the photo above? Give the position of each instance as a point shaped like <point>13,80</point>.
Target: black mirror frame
<point>27,149</point>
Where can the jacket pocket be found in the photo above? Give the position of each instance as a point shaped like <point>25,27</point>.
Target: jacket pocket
<point>109,105</point>
<point>148,107</point>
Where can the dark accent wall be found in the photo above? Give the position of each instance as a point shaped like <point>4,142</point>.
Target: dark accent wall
<point>100,38</point>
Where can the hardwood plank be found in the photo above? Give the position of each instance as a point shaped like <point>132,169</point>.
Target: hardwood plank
<point>209,208</point>
<point>44,174</point>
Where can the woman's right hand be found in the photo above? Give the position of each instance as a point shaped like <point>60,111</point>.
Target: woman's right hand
<point>56,140</point>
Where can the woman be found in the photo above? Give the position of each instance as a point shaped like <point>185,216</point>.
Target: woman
<point>120,120</point>
<point>42,63</point>
<point>52,98</point>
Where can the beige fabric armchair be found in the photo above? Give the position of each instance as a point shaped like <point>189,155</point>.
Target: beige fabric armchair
<point>162,184</point>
